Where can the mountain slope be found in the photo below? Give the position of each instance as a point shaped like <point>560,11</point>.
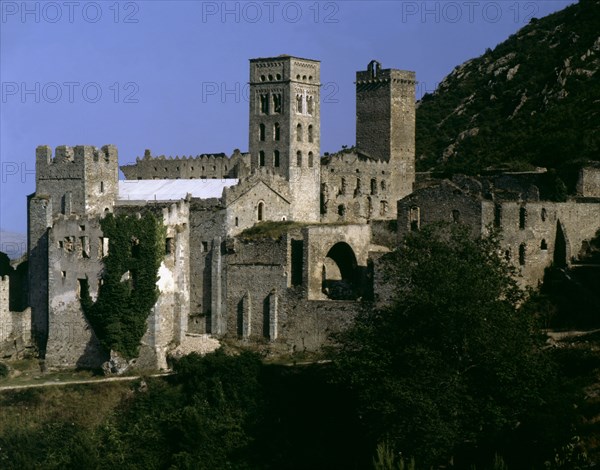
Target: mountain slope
<point>532,101</point>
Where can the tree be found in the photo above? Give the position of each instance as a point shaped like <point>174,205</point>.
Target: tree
<point>452,363</point>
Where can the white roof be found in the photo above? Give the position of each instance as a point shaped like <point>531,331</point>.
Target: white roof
<point>172,190</point>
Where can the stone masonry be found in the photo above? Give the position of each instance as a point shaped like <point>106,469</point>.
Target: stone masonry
<point>282,292</point>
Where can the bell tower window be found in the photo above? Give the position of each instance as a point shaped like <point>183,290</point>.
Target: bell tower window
<point>299,133</point>
<point>261,158</point>
<point>277,103</point>
<point>276,131</point>
<point>261,132</point>
<point>264,104</point>
<point>299,107</point>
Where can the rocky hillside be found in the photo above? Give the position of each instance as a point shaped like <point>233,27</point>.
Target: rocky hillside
<point>532,101</point>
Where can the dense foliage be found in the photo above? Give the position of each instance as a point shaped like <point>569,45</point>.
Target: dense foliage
<point>532,101</point>
<point>128,290</point>
<point>452,367</point>
<point>217,412</point>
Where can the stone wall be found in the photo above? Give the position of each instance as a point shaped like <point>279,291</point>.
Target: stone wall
<point>356,189</point>
<point>441,202</point>
<point>208,166</point>
<point>76,247</point>
<point>267,302</point>
<point>264,189</point>
<point>537,234</point>
<point>534,233</point>
<point>207,224</point>
<point>168,321</point>
<point>589,182</point>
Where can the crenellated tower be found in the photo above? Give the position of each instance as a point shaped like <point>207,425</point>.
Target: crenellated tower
<point>385,121</point>
<point>80,180</point>
<point>285,127</point>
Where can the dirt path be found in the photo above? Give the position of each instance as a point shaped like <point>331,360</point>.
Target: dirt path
<point>56,383</point>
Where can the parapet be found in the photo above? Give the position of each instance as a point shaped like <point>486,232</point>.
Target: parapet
<point>375,74</point>
<point>79,153</point>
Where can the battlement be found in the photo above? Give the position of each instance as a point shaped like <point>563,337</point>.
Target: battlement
<point>77,154</point>
<point>375,74</point>
<point>216,165</point>
<point>356,159</point>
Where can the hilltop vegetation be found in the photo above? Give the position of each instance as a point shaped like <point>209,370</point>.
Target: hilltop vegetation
<point>534,100</point>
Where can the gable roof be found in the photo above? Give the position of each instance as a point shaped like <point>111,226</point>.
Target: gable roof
<point>250,188</point>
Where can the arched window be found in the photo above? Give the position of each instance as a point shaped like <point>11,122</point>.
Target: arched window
<point>276,131</point>
<point>497,215</point>
<point>277,103</point>
<point>357,191</point>
<point>264,104</point>
<point>261,132</point>
<point>310,159</point>
<point>522,249</point>
<point>522,217</point>
<point>415,218</point>
<point>260,213</point>
<point>383,207</point>
<point>276,158</point>
<point>382,185</point>
<point>299,133</point>
<point>236,221</point>
<point>299,158</point>
<point>544,245</point>
<point>343,186</point>
<point>309,105</point>
<point>261,158</point>
<point>101,186</point>
<point>299,104</point>
<point>310,133</point>
<point>544,214</point>
<point>373,187</point>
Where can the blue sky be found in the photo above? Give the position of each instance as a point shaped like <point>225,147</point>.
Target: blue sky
<point>172,76</point>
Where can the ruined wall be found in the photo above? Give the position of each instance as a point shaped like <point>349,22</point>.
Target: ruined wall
<point>81,179</point>
<point>207,224</point>
<point>267,302</point>
<point>442,202</point>
<point>39,219</point>
<point>75,250</point>
<point>537,234</point>
<point>168,321</point>
<point>15,327</point>
<point>319,240</point>
<point>5,316</point>
<point>201,166</point>
<point>356,189</point>
<point>588,184</point>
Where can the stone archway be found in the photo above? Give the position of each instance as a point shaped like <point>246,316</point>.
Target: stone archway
<point>339,273</point>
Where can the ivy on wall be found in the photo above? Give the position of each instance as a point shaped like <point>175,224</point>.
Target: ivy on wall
<point>128,288</point>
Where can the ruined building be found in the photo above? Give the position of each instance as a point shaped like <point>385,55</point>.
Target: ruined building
<point>286,293</point>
